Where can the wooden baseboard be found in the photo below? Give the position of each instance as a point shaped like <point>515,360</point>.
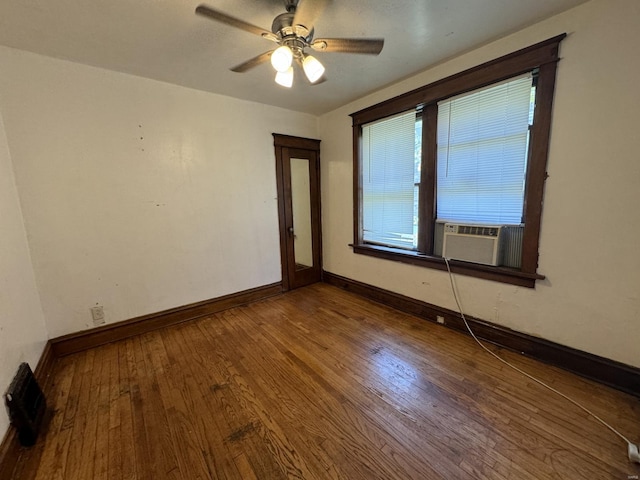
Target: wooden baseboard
<point>77,342</point>
<point>44,368</point>
<point>10,449</point>
<point>609,372</point>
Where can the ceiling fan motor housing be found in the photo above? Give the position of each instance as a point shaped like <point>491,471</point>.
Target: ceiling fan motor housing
<point>283,26</point>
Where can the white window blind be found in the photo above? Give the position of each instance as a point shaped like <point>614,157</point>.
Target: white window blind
<point>482,153</point>
<point>388,192</point>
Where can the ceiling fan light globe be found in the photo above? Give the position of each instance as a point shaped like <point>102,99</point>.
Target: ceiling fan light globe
<point>281,58</point>
<point>313,69</point>
<point>285,78</point>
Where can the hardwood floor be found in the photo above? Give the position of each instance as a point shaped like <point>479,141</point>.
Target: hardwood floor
<point>321,384</point>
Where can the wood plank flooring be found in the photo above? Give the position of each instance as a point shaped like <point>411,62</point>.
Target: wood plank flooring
<point>321,384</point>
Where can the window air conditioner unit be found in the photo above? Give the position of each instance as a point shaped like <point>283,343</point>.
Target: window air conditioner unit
<point>473,243</point>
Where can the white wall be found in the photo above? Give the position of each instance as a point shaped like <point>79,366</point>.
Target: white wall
<point>139,195</point>
<point>22,329</point>
<point>589,242</point>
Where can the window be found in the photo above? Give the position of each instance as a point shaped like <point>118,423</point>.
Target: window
<point>482,152</point>
<point>471,149</point>
<point>390,181</point>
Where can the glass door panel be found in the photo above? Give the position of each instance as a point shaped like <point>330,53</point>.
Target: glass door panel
<point>301,209</point>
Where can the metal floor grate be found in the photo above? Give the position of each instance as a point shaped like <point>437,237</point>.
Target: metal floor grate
<point>26,405</point>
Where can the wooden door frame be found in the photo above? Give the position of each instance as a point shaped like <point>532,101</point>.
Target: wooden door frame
<point>282,144</point>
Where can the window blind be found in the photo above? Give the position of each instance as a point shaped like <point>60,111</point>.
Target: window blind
<point>388,177</point>
<point>482,153</point>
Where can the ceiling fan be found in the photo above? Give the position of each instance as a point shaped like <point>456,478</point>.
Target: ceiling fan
<point>293,32</point>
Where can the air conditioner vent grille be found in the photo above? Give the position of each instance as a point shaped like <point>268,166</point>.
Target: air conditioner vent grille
<point>478,230</point>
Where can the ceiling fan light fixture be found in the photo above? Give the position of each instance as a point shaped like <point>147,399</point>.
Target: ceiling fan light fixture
<point>281,58</point>
<point>293,32</point>
<point>285,78</point>
<point>313,69</point>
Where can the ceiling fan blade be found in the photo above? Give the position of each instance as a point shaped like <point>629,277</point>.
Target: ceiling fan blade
<point>369,46</point>
<point>254,62</point>
<point>232,21</point>
<point>308,11</point>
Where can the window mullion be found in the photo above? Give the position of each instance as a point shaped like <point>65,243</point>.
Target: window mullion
<point>427,199</point>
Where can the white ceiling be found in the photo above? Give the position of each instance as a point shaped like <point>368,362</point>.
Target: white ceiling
<point>165,40</point>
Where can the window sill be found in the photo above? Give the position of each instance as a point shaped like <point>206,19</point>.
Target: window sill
<point>487,272</point>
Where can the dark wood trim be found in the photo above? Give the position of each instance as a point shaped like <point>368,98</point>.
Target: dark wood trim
<point>357,184</point>
<point>9,454</point>
<point>537,166</point>
<point>10,448</point>
<point>316,211</point>
<point>493,71</point>
<point>283,194</point>
<point>608,372</point>
<point>287,147</point>
<point>289,141</point>
<point>76,342</point>
<point>427,195</point>
<point>486,272</point>
<point>44,368</point>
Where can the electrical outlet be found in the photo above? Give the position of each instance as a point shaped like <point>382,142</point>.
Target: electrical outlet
<point>97,313</point>
<point>440,319</point>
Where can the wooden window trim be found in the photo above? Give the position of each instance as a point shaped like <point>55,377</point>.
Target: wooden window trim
<point>488,272</point>
<point>542,56</point>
